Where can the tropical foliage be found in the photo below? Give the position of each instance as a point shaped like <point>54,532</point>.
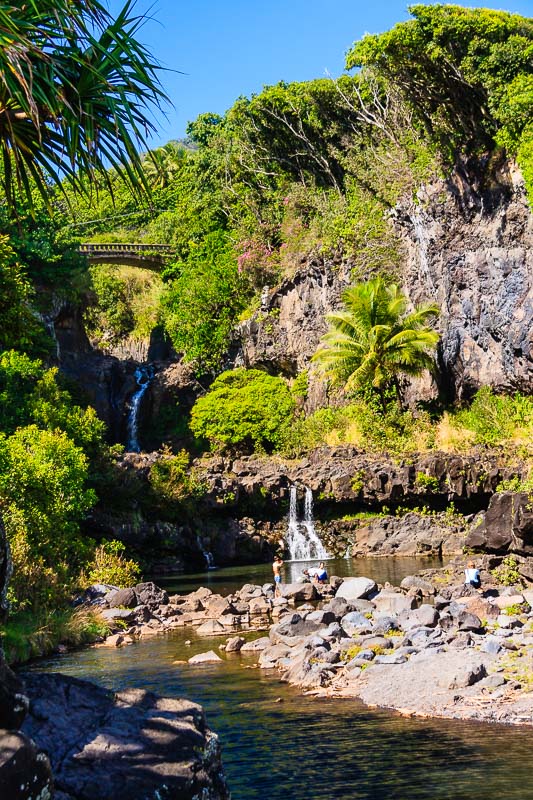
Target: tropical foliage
<point>76,91</point>
<point>374,339</point>
<point>244,410</point>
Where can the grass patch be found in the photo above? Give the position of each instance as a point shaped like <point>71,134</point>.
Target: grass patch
<point>27,636</point>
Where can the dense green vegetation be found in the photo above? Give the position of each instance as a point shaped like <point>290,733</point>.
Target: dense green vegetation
<point>301,170</point>
<point>244,410</point>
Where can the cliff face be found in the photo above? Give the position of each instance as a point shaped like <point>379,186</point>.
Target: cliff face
<point>470,248</point>
<point>467,246</point>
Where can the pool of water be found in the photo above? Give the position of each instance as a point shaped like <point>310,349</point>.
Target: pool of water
<point>280,745</point>
<point>228,579</point>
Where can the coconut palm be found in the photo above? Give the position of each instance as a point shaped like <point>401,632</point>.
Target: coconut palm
<point>163,164</point>
<point>374,339</point>
<point>76,92</point>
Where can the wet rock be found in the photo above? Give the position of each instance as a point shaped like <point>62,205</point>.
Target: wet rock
<point>356,588</point>
<point>235,644</point>
<point>205,658</point>
<point>122,597</point>
<point>128,745</point>
<point>148,594</point>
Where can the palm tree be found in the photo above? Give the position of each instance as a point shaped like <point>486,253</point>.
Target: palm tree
<point>76,92</point>
<point>163,164</point>
<point>374,339</point>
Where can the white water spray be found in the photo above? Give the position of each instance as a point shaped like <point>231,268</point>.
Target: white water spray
<point>143,376</point>
<point>302,539</point>
<point>209,559</point>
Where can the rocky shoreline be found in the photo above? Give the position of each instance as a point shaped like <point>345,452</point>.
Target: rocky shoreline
<point>430,647</point>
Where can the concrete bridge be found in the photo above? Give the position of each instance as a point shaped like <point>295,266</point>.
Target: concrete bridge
<point>147,256</point>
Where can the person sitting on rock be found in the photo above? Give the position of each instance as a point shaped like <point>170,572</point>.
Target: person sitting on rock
<point>472,576</point>
<point>321,574</point>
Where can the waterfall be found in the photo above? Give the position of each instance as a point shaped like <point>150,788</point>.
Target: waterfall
<point>143,376</point>
<point>209,560</point>
<point>302,540</point>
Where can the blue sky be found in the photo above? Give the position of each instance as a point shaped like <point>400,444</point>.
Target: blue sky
<point>235,47</point>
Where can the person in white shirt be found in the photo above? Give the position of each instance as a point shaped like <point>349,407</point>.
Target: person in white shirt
<point>472,576</point>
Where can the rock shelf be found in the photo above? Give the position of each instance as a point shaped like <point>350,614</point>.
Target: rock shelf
<point>424,648</point>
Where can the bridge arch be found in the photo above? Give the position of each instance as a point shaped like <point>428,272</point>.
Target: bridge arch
<point>146,256</point>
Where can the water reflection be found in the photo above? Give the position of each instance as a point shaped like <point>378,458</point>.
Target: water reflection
<point>304,747</point>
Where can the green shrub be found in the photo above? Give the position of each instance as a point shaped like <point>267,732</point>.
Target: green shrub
<point>361,423</point>
<point>108,565</point>
<point>507,573</point>
<point>172,478</point>
<point>244,410</point>
<point>43,477</point>
<point>126,303</point>
<point>497,419</point>
<point>428,483</point>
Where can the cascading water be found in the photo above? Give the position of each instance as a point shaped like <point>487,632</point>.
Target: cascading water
<point>302,539</point>
<point>209,560</point>
<point>143,376</point>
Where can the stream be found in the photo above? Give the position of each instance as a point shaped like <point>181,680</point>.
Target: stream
<point>280,745</point>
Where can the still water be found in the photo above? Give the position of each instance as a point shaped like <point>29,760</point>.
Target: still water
<point>302,748</point>
<point>305,747</point>
<point>229,579</point>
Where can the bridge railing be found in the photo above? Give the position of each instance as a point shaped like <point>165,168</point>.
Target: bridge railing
<point>88,248</point>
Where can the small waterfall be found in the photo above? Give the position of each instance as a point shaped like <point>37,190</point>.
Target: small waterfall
<point>143,376</point>
<point>209,560</point>
<point>302,540</point>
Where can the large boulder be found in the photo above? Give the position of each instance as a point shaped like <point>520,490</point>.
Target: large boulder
<point>148,594</point>
<point>125,598</point>
<point>129,745</point>
<point>356,588</point>
<point>507,525</point>
<point>299,592</point>
<point>24,771</point>
<point>393,602</point>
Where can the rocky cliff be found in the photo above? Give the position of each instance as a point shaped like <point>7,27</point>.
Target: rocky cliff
<point>468,244</point>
